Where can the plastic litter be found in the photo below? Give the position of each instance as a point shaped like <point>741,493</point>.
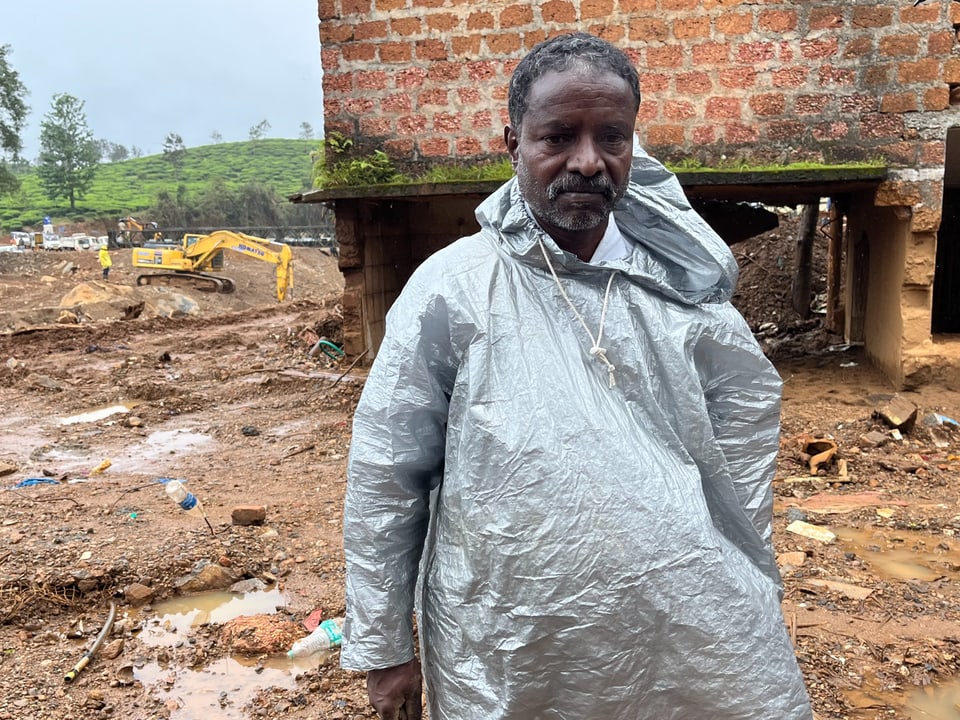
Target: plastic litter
<point>327,636</point>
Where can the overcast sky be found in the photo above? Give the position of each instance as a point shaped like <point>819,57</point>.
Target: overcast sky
<point>146,68</point>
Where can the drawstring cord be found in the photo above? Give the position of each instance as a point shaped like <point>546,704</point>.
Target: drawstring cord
<point>595,350</point>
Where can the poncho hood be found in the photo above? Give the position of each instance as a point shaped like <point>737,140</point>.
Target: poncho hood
<point>672,247</point>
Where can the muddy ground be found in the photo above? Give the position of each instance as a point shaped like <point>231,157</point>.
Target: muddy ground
<point>229,398</point>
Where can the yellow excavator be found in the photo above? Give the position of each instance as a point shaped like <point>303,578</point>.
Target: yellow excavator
<point>189,263</point>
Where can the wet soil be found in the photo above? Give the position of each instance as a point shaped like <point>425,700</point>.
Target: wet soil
<point>231,400</point>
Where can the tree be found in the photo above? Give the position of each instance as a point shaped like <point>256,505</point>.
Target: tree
<point>306,131</point>
<point>13,114</point>
<point>135,151</point>
<point>259,131</point>
<point>216,137</point>
<point>68,153</point>
<point>112,151</point>
<point>174,151</point>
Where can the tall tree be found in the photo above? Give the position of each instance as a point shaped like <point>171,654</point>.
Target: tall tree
<point>68,152</point>
<point>174,151</point>
<point>216,137</point>
<point>259,131</point>
<point>13,114</point>
<point>306,131</point>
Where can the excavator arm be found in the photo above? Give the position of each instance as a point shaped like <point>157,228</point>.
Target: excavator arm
<point>198,254</point>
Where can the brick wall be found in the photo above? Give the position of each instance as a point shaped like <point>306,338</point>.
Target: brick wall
<point>426,80</point>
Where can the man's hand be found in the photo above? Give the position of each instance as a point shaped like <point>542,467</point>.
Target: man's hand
<point>395,692</point>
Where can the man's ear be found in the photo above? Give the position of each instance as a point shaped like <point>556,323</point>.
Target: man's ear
<point>512,141</point>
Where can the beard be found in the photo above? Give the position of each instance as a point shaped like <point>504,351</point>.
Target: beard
<point>543,199</point>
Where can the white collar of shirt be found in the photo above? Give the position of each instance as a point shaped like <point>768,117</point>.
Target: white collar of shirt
<point>612,245</point>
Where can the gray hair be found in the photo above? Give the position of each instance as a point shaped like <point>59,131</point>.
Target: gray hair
<point>559,54</point>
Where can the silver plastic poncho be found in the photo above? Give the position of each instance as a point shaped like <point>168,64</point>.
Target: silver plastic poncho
<point>584,552</point>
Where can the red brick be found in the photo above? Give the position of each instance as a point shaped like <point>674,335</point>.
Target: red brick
<point>899,45</point>
<point>370,30</point>
<point>730,23</point>
<point>654,82</point>
<point>411,124</point>
<point>858,104</point>
<point>649,30</point>
<point>933,152</point>
<point>877,75</point>
<point>337,83</point>
<point>898,102</point>
<point>825,18</point>
<point>668,56</point>
<point>858,47</point>
<point>819,49</point>
<point>711,53</point>
<point>504,117</point>
<point>329,58</point>
<point>777,21</point>
<point>687,28</point>
<point>335,33</point>
<point>904,153</point>
<point>790,77</point>
<point>649,111</point>
<point>739,77</point>
<point>499,94</point>
<point>830,75</point>
<point>704,135</point>
<point>435,147</point>
<point>786,130</point>
<point>679,4</point>
<point>872,17</point>
<point>954,12</point>
<point>444,71</point>
<point>515,16</point>
<point>920,71</point>
<point>331,106</point>
<point>357,51</point>
<point>881,125</point>
<point>611,33</point>
<point>755,52</point>
<point>395,52</point>
<point>377,80</point>
<point>465,45</point>
<point>388,5</point>
<point>442,22</point>
<point>401,102</point>
<point>482,70</point>
<point>496,145</point>
<point>768,104</point>
<point>913,14</point>
<point>810,104</point>
<point>951,70</point>
<point>664,135</point>
<point>355,7</point>
<point>738,134</point>
<point>445,122</point>
<point>467,146</point>
<point>359,105</point>
<point>722,108</point>
<point>628,7</point>
<point>508,66</point>
<point>785,52</point>
<point>590,9</point>
<point>375,127</point>
<point>836,130</point>
<point>327,9</point>
<point>678,110</point>
<point>936,99</point>
<point>940,43</point>
<point>406,26</point>
<point>410,77</point>
<point>431,50</point>
<point>503,43</point>
<point>469,95</point>
<point>432,3</point>
<point>480,21</point>
<point>694,83</point>
<point>558,11</point>
<point>397,147</point>
<point>482,119</point>
<point>533,37</point>
<point>433,96</point>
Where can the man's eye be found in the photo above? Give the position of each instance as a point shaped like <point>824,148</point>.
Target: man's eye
<point>554,139</point>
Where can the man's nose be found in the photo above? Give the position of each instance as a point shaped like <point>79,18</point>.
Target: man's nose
<point>585,158</point>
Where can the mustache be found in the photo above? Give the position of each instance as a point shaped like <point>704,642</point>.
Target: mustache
<point>579,183</point>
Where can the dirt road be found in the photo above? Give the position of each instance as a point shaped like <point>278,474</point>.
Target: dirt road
<point>229,398</point>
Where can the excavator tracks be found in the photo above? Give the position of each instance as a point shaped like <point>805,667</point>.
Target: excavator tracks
<point>197,281</point>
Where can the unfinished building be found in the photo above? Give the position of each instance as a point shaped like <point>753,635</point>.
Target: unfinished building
<point>724,83</point>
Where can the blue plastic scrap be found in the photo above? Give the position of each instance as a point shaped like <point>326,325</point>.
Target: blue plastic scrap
<point>34,481</point>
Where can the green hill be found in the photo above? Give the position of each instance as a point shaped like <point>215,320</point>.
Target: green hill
<point>131,186</point>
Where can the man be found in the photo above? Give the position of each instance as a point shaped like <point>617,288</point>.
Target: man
<point>105,261</point>
<point>568,438</point>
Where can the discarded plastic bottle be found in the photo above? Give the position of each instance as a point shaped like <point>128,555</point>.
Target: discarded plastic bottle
<point>184,498</point>
<point>327,636</point>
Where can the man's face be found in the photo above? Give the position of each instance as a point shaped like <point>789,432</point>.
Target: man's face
<point>573,151</point>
